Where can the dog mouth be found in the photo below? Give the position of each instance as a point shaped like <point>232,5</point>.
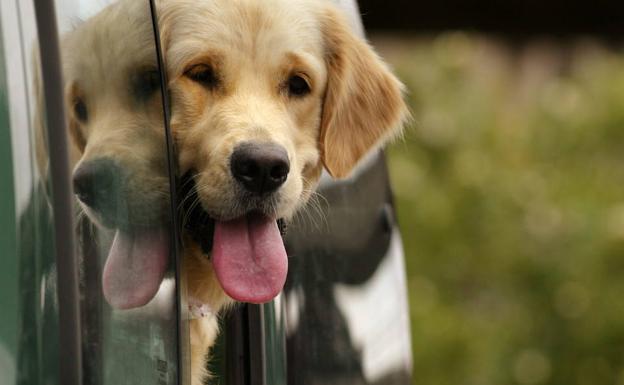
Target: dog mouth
<point>247,253</point>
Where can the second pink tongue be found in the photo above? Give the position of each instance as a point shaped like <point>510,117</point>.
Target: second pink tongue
<point>249,258</point>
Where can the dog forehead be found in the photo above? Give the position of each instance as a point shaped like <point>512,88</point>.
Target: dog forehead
<point>266,29</point>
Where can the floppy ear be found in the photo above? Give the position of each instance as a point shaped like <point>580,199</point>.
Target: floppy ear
<point>363,105</point>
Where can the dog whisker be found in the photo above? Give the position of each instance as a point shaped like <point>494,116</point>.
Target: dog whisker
<point>314,211</point>
<point>192,192</point>
<point>187,213</point>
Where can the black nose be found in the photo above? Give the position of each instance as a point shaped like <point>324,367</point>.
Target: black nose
<point>96,183</point>
<point>260,167</point>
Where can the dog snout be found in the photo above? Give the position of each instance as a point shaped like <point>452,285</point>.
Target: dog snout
<point>97,183</point>
<point>260,167</point>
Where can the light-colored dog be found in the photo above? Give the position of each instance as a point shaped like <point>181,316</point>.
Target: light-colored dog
<point>264,94</point>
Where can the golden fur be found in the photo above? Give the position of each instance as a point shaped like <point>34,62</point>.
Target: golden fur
<point>253,47</point>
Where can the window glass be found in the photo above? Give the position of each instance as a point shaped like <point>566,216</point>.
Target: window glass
<point>120,176</point>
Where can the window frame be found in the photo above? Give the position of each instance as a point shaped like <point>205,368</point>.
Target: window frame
<point>70,370</point>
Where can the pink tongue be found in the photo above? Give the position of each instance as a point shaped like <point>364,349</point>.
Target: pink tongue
<point>249,258</point>
<point>135,267</point>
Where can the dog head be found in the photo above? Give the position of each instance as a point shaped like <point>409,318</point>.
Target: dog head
<point>264,94</point>
<point>116,126</point>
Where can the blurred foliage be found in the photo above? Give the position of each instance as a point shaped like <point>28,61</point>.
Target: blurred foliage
<point>510,194</point>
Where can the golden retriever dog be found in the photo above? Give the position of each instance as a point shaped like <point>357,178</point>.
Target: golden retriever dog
<point>264,94</point>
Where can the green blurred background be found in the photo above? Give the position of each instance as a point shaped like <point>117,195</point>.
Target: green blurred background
<point>510,194</point>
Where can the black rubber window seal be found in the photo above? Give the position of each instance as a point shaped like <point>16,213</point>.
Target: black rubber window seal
<point>183,371</point>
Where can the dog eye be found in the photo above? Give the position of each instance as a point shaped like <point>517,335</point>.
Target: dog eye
<point>80,110</point>
<point>203,74</point>
<point>145,83</point>
<point>298,86</point>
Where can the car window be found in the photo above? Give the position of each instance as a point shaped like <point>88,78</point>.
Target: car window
<point>122,185</point>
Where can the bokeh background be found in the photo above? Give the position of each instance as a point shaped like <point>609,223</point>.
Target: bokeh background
<point>509,187</point>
